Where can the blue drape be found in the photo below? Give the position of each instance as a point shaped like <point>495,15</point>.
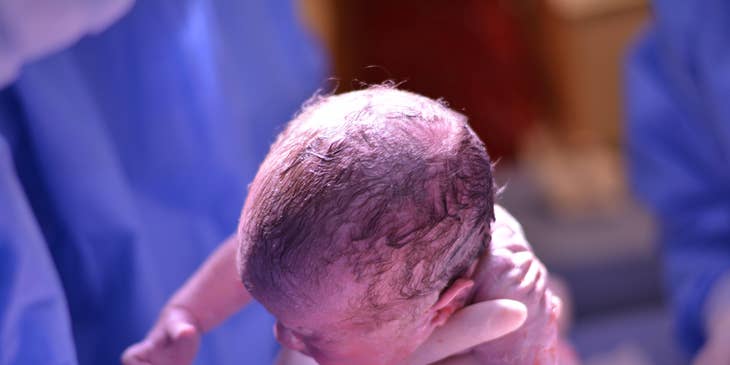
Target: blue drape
<point>124,161</point>
<point>679,147</point>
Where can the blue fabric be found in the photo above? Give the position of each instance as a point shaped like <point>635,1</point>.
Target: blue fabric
<point>124,162</point>
<point>30,29</point>
<point>678,80</point>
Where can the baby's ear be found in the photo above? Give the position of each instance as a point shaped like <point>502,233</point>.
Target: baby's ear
<point>288,338</point>
<point>451,300</point>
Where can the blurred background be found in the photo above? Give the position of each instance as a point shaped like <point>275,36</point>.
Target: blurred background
<point>541,81</point>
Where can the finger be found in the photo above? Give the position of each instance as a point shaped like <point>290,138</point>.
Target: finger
<point>502,217</point>
<point>500,262</point>
<point>531,277</point>
<point>135,361</point>
<point>471,326</point>
<point>181,330</point>
<point>175,343</point>
<point>502,232</point>
<point>522,259</point>
<point>505,238</point>
<point>541,284</point>
<point>557,306</point>
<point>134,355</point>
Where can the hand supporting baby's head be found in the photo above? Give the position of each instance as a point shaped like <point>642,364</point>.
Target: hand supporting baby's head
<point>368,209</point>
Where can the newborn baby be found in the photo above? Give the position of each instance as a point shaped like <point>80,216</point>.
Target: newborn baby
<point>368,225</point>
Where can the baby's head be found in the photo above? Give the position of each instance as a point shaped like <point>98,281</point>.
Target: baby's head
<point>363,223</point>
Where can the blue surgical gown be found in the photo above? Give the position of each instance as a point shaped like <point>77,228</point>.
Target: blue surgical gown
<point>678,137</point>
<point>124,162</point>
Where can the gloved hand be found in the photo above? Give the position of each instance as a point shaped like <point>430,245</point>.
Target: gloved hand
<point>174,340</point>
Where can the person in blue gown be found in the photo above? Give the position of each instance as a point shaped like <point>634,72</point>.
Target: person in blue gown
<point>678,130</point>
<point>124,161</point>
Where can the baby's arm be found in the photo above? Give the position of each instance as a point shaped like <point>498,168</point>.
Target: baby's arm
<point>211,295</point>
<point>469,327</point>
<point>291,357</point>
<point>472,325</point>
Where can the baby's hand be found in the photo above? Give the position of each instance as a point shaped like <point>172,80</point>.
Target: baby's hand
<point>174,340</point>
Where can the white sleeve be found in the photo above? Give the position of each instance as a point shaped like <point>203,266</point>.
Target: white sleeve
<point>30,29</point>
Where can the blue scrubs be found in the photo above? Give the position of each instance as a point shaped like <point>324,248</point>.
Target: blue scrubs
<point>678,131</point>
<point>124,162</point>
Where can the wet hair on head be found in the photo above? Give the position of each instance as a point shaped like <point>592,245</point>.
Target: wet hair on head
<point>392,186</point>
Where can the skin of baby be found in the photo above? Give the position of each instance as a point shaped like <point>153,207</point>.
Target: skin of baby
<point>500,273</point>
<point>333,335</point>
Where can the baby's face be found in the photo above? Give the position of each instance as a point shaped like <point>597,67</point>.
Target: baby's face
<point>349,343</point>
<point>332,335</point>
